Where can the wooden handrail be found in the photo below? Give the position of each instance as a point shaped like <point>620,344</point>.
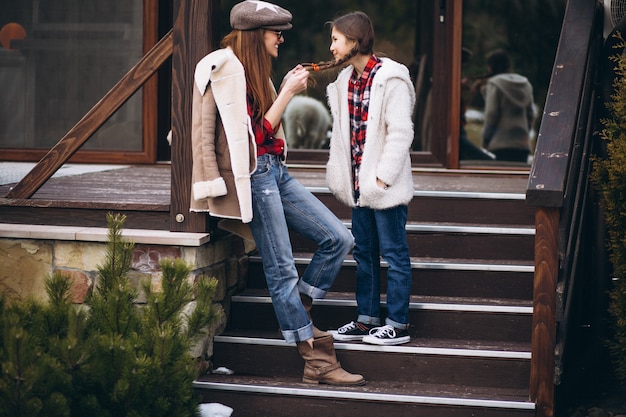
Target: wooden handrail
<point>553,181</point>
<point>548,175</point>
<point>95,118</point>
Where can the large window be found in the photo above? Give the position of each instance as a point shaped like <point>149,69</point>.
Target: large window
<point>529,33</point>
<point>58,59</point>
<point>62,56</point>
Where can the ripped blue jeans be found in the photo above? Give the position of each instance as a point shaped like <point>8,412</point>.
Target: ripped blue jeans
<point>281,203</point>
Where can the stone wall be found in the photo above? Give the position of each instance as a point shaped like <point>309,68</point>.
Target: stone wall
<point>29,254</point>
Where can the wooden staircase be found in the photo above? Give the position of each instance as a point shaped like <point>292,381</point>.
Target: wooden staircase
<point>471,238</point>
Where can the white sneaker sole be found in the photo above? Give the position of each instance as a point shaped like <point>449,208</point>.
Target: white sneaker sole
<point>386,342</point>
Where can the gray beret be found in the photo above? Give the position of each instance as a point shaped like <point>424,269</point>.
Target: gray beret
<point>253,14</point>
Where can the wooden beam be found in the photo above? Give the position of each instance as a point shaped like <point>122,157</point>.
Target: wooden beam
<point>150,97</point>
<point>544,311</point>
<point>98,114</point>
<point>446,84</point>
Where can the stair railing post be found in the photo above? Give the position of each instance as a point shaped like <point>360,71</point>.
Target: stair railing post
<point>544,310</point>
<point>195,23</point>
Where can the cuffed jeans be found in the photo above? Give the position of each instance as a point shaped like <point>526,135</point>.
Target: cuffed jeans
<point>281,203</point>
<point>382,233</point>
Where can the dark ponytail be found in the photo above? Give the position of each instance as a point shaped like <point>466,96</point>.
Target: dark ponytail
<point>325,65</point>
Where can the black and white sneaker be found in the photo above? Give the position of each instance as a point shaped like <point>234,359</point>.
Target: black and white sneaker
<point>351,331</point>
<point>387,335</point>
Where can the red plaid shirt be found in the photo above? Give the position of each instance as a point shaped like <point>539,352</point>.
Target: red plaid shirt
<point>264,137</point>
<point>358,107</point>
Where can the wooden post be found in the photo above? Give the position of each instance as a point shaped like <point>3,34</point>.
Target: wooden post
<point>194,23</point>
<point>446,90</point>
<point>151,87</point>
<point>544,310</point>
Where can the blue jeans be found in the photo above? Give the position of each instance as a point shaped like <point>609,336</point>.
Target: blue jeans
<point>382,233</point>
<point>279,203</point>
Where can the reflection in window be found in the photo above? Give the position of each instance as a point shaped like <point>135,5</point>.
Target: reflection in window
<point>72,54</point>
<point>528,32</point>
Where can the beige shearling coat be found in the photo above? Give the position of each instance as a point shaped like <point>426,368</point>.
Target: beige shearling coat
<point>223,145</point>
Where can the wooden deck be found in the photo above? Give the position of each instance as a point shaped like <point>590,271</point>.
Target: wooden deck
<point>142,192</point>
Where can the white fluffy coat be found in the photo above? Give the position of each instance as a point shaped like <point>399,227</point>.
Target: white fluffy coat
<point>389,135</point>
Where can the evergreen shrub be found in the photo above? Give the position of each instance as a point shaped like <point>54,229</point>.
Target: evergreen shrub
<point>609,178</point>
<point>110,357</point>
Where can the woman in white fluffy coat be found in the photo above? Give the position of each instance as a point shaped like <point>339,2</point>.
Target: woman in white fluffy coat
<point>369,169</point>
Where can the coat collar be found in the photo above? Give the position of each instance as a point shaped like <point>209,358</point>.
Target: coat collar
<point>212,63</point>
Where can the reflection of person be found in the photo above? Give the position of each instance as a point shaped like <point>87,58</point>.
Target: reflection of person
<point>247,137</point>
<point>369,169</point>
<point>509,110</point>
<point>467,149</point>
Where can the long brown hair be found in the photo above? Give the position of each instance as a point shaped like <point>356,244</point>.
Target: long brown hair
<point>249,48</point>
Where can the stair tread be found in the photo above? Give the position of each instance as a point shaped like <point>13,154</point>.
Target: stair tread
<point>434,180</point>
<point>505,227</point>
<point>332,296</point>
<point>417,342</point>
<point>460,262</point>
<point>463,224</point>
<point>392,388</point>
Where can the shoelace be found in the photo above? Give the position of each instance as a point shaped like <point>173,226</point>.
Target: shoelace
<point>383,331</point>
<point>347,327</point>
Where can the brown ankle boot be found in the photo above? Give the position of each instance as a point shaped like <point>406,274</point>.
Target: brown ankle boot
<point>307,302</point>
<point>321,365</point>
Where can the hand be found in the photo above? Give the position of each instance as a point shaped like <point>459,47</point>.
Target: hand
<point>295,81</point>
<point>381,184</point>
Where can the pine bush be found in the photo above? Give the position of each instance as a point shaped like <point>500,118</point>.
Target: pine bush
<point>110,357</point>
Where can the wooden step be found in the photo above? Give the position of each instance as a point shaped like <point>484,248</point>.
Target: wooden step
<point>479,208</point>
<point>470,314</point>
<point>457,241</point>
<point>270,397</point>
<point>432,277</point>
<point>413,362</point>
<point>440,318</point>
<point>437,378</point>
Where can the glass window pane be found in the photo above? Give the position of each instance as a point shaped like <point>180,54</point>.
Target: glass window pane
<point>72,54</point>
<point>525,32</point>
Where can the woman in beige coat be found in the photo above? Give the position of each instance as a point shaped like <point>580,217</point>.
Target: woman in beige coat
<point>239,173</point>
